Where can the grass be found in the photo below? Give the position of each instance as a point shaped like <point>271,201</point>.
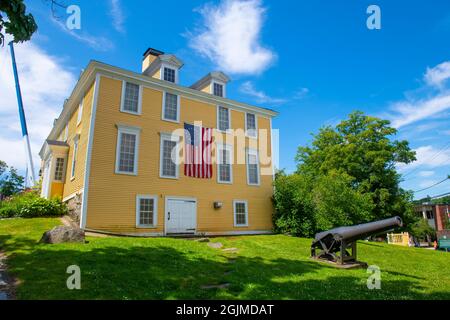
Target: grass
<point>265,267</point>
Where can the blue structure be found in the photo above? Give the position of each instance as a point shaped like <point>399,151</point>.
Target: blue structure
<point>30,176</point>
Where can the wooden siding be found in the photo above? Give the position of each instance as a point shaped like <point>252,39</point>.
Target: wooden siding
<point>74,185</point>
<point>112,197</point>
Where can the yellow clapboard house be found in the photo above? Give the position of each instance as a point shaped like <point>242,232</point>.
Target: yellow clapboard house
<point>116,154</point>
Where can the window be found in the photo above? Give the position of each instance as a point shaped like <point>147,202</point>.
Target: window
<point>127,150</point>
<point>74,158</point>
<point>250,125</point>
<point>169,74</point>
<point>170,107</point>
<point>131,98</point>
<point>223,118</point>
<point>80,112</point>
<point>224,169</point>
<point>430,215</point>
<point>218,89</point>
<point>240,213</point>
<point>169,156</point>
<point>59,169</point>
<point>146,211</point>
<point>252,167</point>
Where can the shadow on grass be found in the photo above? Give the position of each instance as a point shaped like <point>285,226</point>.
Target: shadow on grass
<point>165,272</point>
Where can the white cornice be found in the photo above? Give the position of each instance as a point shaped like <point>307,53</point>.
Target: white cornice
<point>96,67</point>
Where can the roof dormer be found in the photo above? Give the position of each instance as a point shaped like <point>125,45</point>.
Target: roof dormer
<point>161,66</point>
<point>213,83</point>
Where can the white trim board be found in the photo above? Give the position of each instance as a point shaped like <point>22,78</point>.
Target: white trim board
<point>87,171</point>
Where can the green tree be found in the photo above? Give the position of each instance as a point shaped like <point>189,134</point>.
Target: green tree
<point>11,182</point>
<point>362,148</point>
<point>347,176</point>
<point>19,24</point>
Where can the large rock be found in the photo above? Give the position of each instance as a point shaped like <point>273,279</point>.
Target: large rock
<point>63,234</point>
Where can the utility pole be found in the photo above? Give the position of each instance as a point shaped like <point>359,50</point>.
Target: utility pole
<point>30,176</point>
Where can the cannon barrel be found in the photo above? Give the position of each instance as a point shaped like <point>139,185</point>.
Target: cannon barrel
<point>334,244</point>
<point>361,231</point>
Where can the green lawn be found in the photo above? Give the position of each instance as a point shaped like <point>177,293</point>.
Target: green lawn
<point>265,267</point>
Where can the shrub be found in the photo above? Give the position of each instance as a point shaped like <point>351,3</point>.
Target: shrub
<point>293,205</point>
<point>7,212</point>
<point>40,207</point>
<point>421,229</point>
<point>29,205</point>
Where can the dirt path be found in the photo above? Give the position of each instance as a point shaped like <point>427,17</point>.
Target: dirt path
<point>7,283</point>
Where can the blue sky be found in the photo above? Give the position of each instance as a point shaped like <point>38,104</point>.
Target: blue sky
<point>313,61</point>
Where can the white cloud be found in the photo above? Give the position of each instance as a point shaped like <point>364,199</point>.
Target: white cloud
<point>230,36</point>
<point>426,173</point>
<point>407,112</point>
<point>301,93</point>
<point>433,106</point>
<point>45,84</point>
<point>428,157</point>
<point>437,75</point>
<point>95,42</point>
<point>259,96</point>
<point>117,16</point>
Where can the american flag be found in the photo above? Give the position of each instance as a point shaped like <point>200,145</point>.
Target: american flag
<point>197,151</point>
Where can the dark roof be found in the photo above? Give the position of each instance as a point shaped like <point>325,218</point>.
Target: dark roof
<point>153,52</point>
<point>57,143</point>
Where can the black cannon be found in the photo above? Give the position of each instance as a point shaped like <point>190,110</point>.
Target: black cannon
<point>334,244</point>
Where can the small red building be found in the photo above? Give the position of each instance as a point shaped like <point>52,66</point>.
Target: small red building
<point>437,215</point>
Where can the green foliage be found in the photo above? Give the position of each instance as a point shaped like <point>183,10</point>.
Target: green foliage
<point>346,176</point>
<point>421,229</point>
<point>30,205</point>
<point>11,182</point>
<point>19,24</point>
<point>293,205</point>
<point>337,204</point>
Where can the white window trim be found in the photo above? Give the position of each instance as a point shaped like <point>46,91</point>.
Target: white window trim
<point>122,99</point>
<point>164,105</point>
<point>130,130</point>
<point>246,213</point>
<point>161,72</point>
<point>229,119</point>
<point>74,156</point>
<point>254,152</point>
<point>80,111</point>
<point>256,126</point>
<point>220,147</point>
<point>224,94</point>
<point>155,211</point>
<point>171,137</point>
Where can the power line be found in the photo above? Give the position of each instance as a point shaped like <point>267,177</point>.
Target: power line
<point>444,148</point>
<point>433,185</point>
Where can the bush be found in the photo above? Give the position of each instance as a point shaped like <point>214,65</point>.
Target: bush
<point>293,205</point>
<point>7,212</point>
<point>421,229</point>
<point>304,206</point>
<point>30,205</point>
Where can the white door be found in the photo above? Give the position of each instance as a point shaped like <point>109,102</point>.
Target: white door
<point>181,216</point>
<point>45,180</point>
